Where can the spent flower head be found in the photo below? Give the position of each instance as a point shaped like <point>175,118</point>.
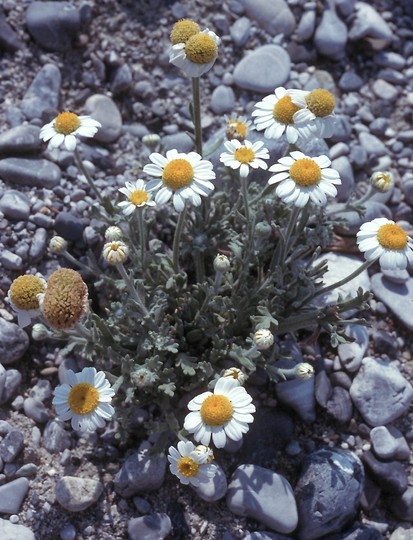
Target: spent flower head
<point>197,54</point>
<point>386,241</point>
<point>190,465</point>
<point>180,176</point>
<point>316,111</point>
<point>221,415</point>
<point>23,297</point>
<point>84,399</point>
<point>183,30</point>
<point>115,252</point>
<point>66,128</point>
<point>236,374</point>
<point>301,178</point>
<point>137,197</point>
<point>244,155</point>
<point>238,127</point>
<point>382,181</point>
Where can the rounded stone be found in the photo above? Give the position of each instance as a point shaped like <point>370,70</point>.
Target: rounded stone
<point>76,494</point>
<point>103,109</point>
<point>14,342</point>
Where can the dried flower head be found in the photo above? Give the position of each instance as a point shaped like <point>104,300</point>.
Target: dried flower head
<point>57,244</point>
<point>382,181</point>
<point>151,140</point>
<point>65,129</point>
<point>115,252</point>
<point>316,111</point>
<point>183,30</point>
<point>65,301</point>
<point>23,297</point>
<point>263,339</point>
<point>40,332</point>
<point>197,54</point>
<point>113,233</point>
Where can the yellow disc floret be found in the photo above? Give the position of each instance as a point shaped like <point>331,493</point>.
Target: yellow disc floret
<point>138,197</point>
<point>65,300</point>
<point>187,466</point>
<point>183,30</point>
<point>83,398</point>
<point>321,102</point>
<point>24,291</point>
<point>284,110</point>
<point>392,236</point>
<point>216,410</point>
<point>201,49</point>
<point>66,123</point>
<point>305,172</point>
<point>178,173</point>
<point>244,155</point>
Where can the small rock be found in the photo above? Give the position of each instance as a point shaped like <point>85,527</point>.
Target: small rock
<point>370,25</point>
<point>11,445</point>
<point>30,172</point>
<point>394,296</point>
<point>240,31</point>
<point>152,527</point>
<point>35,409</point>
<point>122,80</point>
<point>55,437</point>
<point>384,90</point>
<point>9,40</point>
<point>274,17</point>
<point>12,495</point>
<point>69,226</point>
<point>20,140</point>
<point>331,34</point>
<point>13,380</point>
<point>343,166</point>
<point>103,109</point>
<point>11,531</point>
<point>44,92</point>
<point>15,205</point>
<point>402,506</point>
<point>340,406</point>
<point>351,354</point>
<point>389,443</point>
<point>14,342</point>
<point>38,244</point>
<point>372,144</point>
<point>222,99</point>
<point>76,494</point>
<point>390,475</point>
<point>10,260</point>
<point>214,488</point>
<point>350,82</point>
<point>306,26</point>
<point>299,395</point>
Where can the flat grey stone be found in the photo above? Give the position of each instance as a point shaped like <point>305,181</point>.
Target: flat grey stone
<point>12,495</point>
<point>391,476</point>
<point>299,395</point>
<point>306,26</point>
<point>353,220</point>
<point>11,385</point>
<point>11,445</point>
<point>395,297</point>
<point>44,91</point>
<point>339,405</point>
<point>351,354</point>
<point>151,527</point>
<point>9,40</point>
<point>30,172</point>
<point>10,260</point>
<point>38,244</point>
<point>15,205</point>
<point>222,99</point>
<point>240,31</point>
<point>103,109</point>
<point>263,495</point>
<point>274,17</point>
<point>55,437</point>
<point>12,531</point>
<point>14,342</point>
<point>372,144</point>
<point>76,494</point>
<point>20,140</point>
<point>35,409</point>
<point>343,165</point>
<point>389,443</point>
<point>369,24</point>
<point>331,34</point>
<point>122,80</point>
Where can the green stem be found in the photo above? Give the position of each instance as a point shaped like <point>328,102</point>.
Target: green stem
<point>131,288</point>
<point>142,238</point>
<point>290,227</point>
<point>88,177</point>
<point>177,240</point>
<point>196,101</point>
<point>345,280</point>
<point>244,189</point>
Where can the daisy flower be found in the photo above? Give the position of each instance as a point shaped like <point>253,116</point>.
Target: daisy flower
<point>383,239</point>
<point>180,176</point>
<point>223,414</point>
<point>301,178</point>
<point>84,399</point>
<point>238,127</point>
<point>244,155</point>
<point>65,129</point>
<point>23,299</point>
<point>275,114</point>
<point>197,55</point>
<point>115,252</point>
<point>316,111</point>
<point>189,464</point>
<point>382,181</point>
<point>137,197</point>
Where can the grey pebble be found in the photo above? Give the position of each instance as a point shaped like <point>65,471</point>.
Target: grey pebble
<point>306,26</point>
<point>353,220</point>
<point>351,354</point>
<point>323,388</point>
<point>13,380</point>
<point>331,34</point>
<point>55,437</point>
<point>142,505</point>
<point>389,443</point>
<point>76,494</point>
<point>103,109</point>
<point>20,140</point>
<point>342,129</point>
<point>263,495</point>
<point>151,527</point>
<point>122,80</point>
<point>44,92</point>
<point>181,141</point>
<point>339,405</point>
<point>12,495</point>
<point>345,7</point>
<point>265,535</point>
<point>372,144</point>
<point>38,245</point>
<point>394,295</point>
<point>9,40</point>
<point>274,17</point>
<point>222,99</point>
<point>391,476</point>
<point>402,506</point>
<point>15,205</point>
<point>298,394</point>
<point>14,342</point>
<point>368,23</point>
<point>10,260</point>
<point>384,90</point>
<point>385,343</point>
<point>69,226</point>
<point>30,172</point>
<point>35,409</point>
<point>42,220</point>
<point>11,531</point>
<point>68,532</point>
<point>343,166</point>
<point>240,31</point>
<point>29,469</point>
<point>350,82</point>
<point>11,445</point>
<point>214,488</point>
<point>390,59</point>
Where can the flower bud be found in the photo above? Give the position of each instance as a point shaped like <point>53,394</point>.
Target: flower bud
<point>382,181</point>
<point>115,252</point>
<point>221,263</point>
<point>40,332</point>
<point>304,370</point>
<point>205,453</point>
<point>263,229</point>
<point>235,373</point>
<point>57,244</point>
<point>263,339</point>
<point>151,140</point>
<point>113,233</point>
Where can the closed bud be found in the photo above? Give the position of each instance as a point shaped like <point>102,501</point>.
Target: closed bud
<point>304,370</point>
<point>221,263</point>
<point>263,339</point>
<point>57,244</point>
<point>382,181</point>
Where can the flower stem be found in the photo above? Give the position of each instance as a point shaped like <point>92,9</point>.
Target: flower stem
<point>345,280</point>
<point>196,102</point>
<point>177,240</point>
<point>131,288</point>
<point>142,238</point>
<point>244,189</point>
<point>88,177</point>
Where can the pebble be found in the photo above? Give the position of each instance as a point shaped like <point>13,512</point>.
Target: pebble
<point>384,90</point>
<point>389,443</point>
<point>298,394</point>
<point>263,495</point>
<point>29,469</point>
<point>240,31</point>
<point>222,99</point>
<point>274,17</point>
<point>343,166</point>
<point>53,25</point>
<point>9,40</point>
<point>35,409</point>
<point>122,80</point>
<point>15,205</point>
<point>328,492</point>
<point>11,531</point>
<point>103,109</point>
<point>11,445</point>
<point>38,244</point>
<point>380,392</point>
<point>345,7</point>
<point>44,92</point>
<point>20,140</point>
<point>30,172</point>
<point>342,129</point>
<point>55,437</point>
<point>180,141</point>
<point>351,354</point>
<point>12,495</point>
<point>394,296</point>
<point>214,488</point>
<point>372,144</point>
<point>340,406</point>
<point>402,506</point>
<point>265,535</point>
<point>76,494</point>
<point>140,473</point>
<point>353,220</point>
<point>385,343</point>
<point>68,532</point>
<point>151,527</point>
<point>14,342</point>
<point>252,72</point>
<point>389,475</point>
<point>350,81</point>
<point>330,37</point>
<point>402,533</point>
<point>10,260</point>
<point>13,380</point>
<point>306,26</point>
<point>323,388</point>
<point>369,24</point>
<point>69,226</point>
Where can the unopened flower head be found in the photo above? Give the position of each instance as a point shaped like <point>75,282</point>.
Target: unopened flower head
<point>183,30</point>
<point>137,197</point>
<point>197,55</point>
<point>65,129</point>
<point>238,128</point>
<point>23,297</point>
<point>65,302</point>
<point>57,244</point>
<point>84,399</point>
<point>263,229</point>
<point>115,252</point>
<point>236,374</point>
<point>189,465</point>
<point>275,114</point>
<point>386,241</point>
<point>226,413</point>
<point>142,377</point>
<point>304,370</point>
<point>382,181</point>
<point>113,233</point>
<point>180,176</point>
<point>205,453</point>
<point>151,140</point>
<point>40,332</point>
<point>263,339</point>
<point>221,263</point>
<point>301,179</point>
<point>316,111</point>
<point>244,155</point>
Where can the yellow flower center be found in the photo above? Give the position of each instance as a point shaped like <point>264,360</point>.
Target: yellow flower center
<point>187,466</point>
<point>83,398</point>
<point>183,30</point>
<point>216,410</point>
<point>244,155</point>
<point>236,130</point>
<point>66,123</point>
<point>177,174</point>
<point>138,197</point>
<point>305,172</point>
<point>321,102</point>
<point>201,49</point>
<point>392,236</point>
<point>284,110</point>
<point>24,291</point>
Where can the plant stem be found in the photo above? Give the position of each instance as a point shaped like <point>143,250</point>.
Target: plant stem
<point>87,176</point>
<point>177,240</point>
<point>290,227</point>
<point>142,238</point>
<point>244,189</point>
<point>345,280</point>
<point>196,101</point>
<point>131,288</point>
